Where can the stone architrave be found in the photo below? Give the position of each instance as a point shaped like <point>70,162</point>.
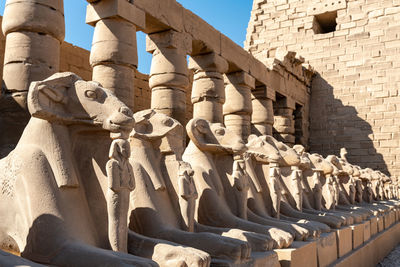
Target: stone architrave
<point>238,107</point>
<point>208,91</point>
<point>114,50</point>
<point>169,72</point>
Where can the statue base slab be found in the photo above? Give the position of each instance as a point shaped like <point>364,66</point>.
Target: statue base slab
<point>327,249</point>
<point>298,255</point>
<point>358,235</point>
<point>344,239</point>
<point>373,251</point>
<point>374,225</point>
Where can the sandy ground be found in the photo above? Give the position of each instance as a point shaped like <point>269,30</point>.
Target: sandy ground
<point>391,260</point>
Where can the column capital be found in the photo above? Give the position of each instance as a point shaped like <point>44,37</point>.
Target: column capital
<point>240,78</point>
<point>98,10</point>
<point>263,92</point>
<point>169,39</point>
<point>210,62</point>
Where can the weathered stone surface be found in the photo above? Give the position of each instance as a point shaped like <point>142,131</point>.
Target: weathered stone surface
<point>295,256</point>
<point>344,240</point>
<point>327,251</point>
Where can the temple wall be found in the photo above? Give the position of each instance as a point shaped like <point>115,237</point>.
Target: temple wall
<point>355,101</point>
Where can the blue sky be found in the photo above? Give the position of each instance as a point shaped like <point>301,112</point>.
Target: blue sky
<point>228,16</point>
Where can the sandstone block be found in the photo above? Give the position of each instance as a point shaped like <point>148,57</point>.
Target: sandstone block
<point>374,225</point>
<point>367,231</point>
<point>300,254</point>
<point>35,16</point>
<point>117,9</point>
<point>169,61</point>
<point>114,40</point>
<point>169,39</point>
<point>327,251</point>
<point>32,48</point>
<point>344,239</point>
<point>358,235</point>
<point>210,62</point>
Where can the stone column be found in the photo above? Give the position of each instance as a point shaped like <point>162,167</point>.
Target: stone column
<point>284,121</point>
<point>114,49</point>
<point>208,91</point>
<point>34,30</point>
<point>238,107</point>
<point>262,117</point>
<point>169,72</point>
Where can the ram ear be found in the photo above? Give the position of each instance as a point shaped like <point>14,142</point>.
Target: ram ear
<point>46,98</point>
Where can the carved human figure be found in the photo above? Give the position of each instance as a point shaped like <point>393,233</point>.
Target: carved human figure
<point>187,195</point>
<point>120,183</point>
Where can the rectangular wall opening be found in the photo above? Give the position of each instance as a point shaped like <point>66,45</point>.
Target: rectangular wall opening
<point>325,23</point>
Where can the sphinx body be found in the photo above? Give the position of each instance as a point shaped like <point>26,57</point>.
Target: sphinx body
<point>162,205</point>
<point>43,186</point>
<point>211,143</point>
<point>262,207</point>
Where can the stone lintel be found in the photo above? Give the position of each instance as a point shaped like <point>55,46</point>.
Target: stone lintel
<point>115,8</point>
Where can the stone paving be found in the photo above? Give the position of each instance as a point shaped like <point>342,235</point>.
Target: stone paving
<point>392,260</point>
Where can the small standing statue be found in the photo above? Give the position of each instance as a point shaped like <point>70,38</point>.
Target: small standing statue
<point>187,195</point>
<point>240,181</point>
<point>120,183</point>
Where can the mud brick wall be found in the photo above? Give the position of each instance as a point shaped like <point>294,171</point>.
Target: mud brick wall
<point>355,100</point>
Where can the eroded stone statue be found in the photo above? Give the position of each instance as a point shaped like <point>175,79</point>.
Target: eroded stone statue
<point>168,214</point>
<point>42,184</point>
<point>120,183</point>
<point>264,196</point>
<point>211,143</point>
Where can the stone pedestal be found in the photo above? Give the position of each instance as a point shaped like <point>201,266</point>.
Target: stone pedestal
<point>374,225</point>
<point>264,259</point>
<point>372,252</point>
<point>258,259</point>
<point>387,220</point>
<point>367,230</point>
<point>327,250</point>
<point>344,240</point>
<point>299,255</point>
<point>358,235</point>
